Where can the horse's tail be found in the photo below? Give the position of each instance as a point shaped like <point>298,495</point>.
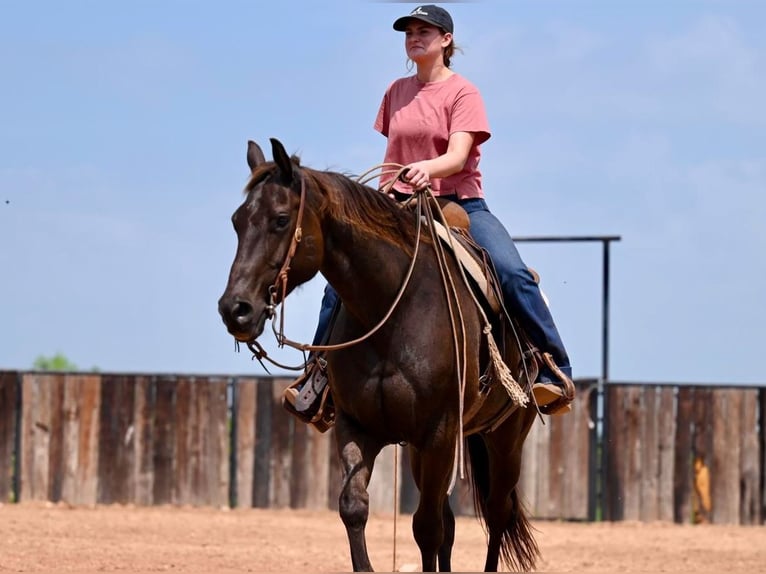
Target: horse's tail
<point>518,548</point>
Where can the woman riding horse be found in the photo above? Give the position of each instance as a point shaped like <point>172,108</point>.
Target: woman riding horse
<point>435,123</point>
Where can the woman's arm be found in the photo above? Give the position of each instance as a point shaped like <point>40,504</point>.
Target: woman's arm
<point>452,161</point>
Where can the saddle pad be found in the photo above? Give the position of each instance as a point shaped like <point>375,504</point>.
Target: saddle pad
<point>470,263</point>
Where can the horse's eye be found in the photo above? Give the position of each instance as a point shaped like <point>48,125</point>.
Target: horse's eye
<point>282,220</point>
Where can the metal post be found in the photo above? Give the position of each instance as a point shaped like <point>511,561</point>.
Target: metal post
<point>598,509</point>
<point>605,318</point>
<point>598,452</point>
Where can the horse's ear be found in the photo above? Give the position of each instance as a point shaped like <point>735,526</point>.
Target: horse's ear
<point>283,161</point>
<point>255,155</point>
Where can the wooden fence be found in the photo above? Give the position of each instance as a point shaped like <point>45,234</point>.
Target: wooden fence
<point>685,454</point>
<point>92,439</point>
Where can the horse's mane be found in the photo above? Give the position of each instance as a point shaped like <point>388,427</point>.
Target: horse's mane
<point>342,198</point>
<point>368,209</point>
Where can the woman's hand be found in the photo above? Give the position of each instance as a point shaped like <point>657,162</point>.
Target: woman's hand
<point>417,175</point>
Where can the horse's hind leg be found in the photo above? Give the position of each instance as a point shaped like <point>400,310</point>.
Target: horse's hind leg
<point>510,533</point>
<point>432,471</point>
<point>445,550</point>
<point>357,453</point>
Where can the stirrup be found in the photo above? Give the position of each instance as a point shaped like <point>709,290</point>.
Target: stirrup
<point>554,398</point>
<point>308,397</point>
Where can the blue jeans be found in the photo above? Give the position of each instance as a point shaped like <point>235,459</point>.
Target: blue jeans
<point>325,313</point>
<point>522,295</point>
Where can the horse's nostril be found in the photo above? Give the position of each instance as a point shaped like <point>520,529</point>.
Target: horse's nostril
<point>242,311</point>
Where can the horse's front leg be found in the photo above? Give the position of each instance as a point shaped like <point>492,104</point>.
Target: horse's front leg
<point>357,452</point>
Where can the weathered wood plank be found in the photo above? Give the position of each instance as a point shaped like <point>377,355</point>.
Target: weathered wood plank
<point>181,442</point>
<point>55,460</point>
<point>321,448</point>
<point>569,482</point>
<point>311,468</point>
<point>302,474</point>
<point>164,442</point>
<point>530,462</point>
<point>87,394</point>
<point>143,440</point>
<point>666,431</point>
<point>649,474</point>
<point>198,412</point>
<point>543,486</point>
<point>724,486</point>
<point>263,439</point>
<point>703,454</point>
<point>408,493</point>
<point>750,499</point>
<point>70,436</point>
<point>35,429</point>
<point>78,467</point>
<point>381,487</point>
<point>614,467</point>
<point>245,413</point>
<point>9,397</point>
<point>683,457</point>
<point>577,448</point>
<point>633,451</point>
<point>552,498</point>
<point>217,439</point>
<point>282,428</point>
<point>116,451</point>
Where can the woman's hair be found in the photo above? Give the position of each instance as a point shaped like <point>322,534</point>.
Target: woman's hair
<point>449,51</point>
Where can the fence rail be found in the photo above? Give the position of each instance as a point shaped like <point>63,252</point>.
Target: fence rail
<point>683,454</point>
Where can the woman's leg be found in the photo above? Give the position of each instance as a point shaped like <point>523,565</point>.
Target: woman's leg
<point>304,395</point>
<point>521,293</point>
<point>329,300</point>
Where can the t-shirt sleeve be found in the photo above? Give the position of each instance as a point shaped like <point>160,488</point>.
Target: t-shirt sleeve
<point>381,122</point>
<point>469,115</point>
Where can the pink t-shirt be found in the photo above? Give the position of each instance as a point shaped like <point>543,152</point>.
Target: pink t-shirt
<point>418,119</point>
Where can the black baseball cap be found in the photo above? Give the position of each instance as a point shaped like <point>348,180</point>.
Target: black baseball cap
<point>429,14</point>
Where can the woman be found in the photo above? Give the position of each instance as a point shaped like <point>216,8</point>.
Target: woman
<point>435,123</point>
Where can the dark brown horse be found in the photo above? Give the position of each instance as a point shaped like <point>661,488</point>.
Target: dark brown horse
<point>402,384</point>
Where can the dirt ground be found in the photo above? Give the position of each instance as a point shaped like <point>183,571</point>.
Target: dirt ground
<point>55,538</point>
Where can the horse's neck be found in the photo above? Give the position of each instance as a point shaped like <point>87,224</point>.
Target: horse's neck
<point>364,269</point>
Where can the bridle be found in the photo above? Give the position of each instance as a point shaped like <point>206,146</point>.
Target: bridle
<point>279,287</point>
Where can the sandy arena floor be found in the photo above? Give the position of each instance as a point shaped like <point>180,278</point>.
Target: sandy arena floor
<point>51,538</point>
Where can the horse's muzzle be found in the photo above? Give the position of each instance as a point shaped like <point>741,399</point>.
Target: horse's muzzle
<point>241,318</point>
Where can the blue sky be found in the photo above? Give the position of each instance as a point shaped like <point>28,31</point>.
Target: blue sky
<point>123,129</point>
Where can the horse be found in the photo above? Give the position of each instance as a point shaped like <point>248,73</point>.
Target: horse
<point>401,383</point>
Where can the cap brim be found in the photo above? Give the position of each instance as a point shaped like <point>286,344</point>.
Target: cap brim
<point>400,25</point>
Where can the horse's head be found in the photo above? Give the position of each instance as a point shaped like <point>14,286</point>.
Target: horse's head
<point>279,236</point>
